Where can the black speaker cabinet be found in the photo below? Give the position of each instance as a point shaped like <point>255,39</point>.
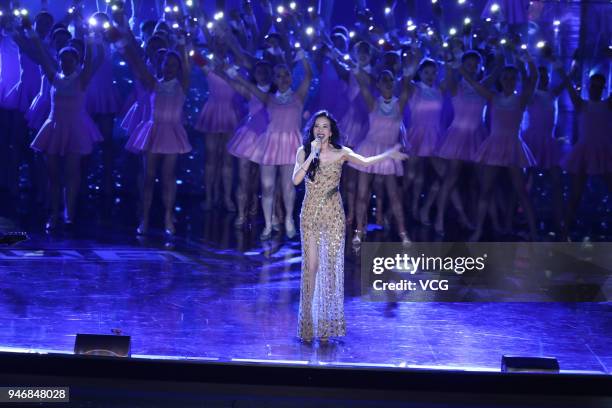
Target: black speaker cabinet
<point>102,345</point>
<point>518,364</point>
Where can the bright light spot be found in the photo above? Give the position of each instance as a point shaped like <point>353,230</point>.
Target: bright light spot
<point>556,23</point>
<point>430,32</point>
<point>279,20</point>
<point>503,41</point>
<point>310,9</point>
<point>280,9</point>
<point>175,26</point>
<point>351,34</point>
<point>370,28</point>
<point>191,53</point>
<point>189,3</point>
<point>93,22</point>
<point>387,10</point>
<point>167,9</point>
<point>219,15</point>
<point>434,1</point>
<point>488,19</point>
<point>292,5</point>
<point>176,9</point>
<point>461,1</point>
<point>452,31</point>
<point>467,21</point>
<point>523,46</point>
<point>445,45</point>
<point>381,41</point>
<point>297,45</point>
<point>309,31</point>
<point>346,57</point>
<point>541,44</point>
<point>210,56</point>
<point>494,7</point>
<point>411,28</point>
<point>106,25</point>
<point>209,25</point>
<point>314,47</point>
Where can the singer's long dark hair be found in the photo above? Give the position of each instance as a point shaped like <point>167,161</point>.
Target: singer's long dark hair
<point>309,136</point>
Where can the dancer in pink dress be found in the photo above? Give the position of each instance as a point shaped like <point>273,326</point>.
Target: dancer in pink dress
<point>425,136</point>
<point>540,138</point>
<point>385,124</point>
<point>504,148</point>
<point>218,121</point>
<point>39,109</point>
<point>162,138</point>
<point>276,147</point>
<point>592,153</point>
<point>69,133</point>
<point>140,111</point>
<point>463,136</point>
<point>244,141</point>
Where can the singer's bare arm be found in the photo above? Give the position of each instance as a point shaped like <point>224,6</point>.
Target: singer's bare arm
<point>355,158</point>
<point>302,163</point>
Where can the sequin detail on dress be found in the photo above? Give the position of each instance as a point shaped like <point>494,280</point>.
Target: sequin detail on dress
<point>321,313</point>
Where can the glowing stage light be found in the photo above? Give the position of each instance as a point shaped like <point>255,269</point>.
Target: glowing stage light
<point>494,8</point>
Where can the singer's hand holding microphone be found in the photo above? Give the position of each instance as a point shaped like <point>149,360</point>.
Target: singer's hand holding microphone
<point>315,147</point>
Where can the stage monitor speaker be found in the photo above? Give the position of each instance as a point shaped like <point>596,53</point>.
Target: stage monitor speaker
<point>520,364</point>
<point>102,345</point>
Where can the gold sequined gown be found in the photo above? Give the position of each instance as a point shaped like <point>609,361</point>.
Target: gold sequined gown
<point>322,226</point>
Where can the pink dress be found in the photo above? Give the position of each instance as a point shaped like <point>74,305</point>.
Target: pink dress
<point>385,131</point>
<point>69,128</point>
<point>163,132</point>
<point>219,114</point>
<point>21,95</point>
<point>39,110</point>
<point>244,142</point>
<point>102,95</point>
<point>354,123</point>
<point>504,146</point>
<point>466,132</point>
<point>592,153</point>
<point>279,143</point>
<point>139,112</point>
<point>539,132</point>
<point>9,67</point>
<point>425,133</point>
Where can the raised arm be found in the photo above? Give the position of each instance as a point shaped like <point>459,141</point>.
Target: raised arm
<point>478,87</point>
<point>44,59</point>
<point>233,74</point>
<point>530,81</point>
<point>364,88</point>
<point>91,64</point>
<point>136,64</point>
<point>302,90</point>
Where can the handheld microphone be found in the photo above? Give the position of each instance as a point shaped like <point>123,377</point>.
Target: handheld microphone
<point>318,151</point>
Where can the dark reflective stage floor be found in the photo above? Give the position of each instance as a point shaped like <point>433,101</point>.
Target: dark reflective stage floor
<point>214,293</point>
